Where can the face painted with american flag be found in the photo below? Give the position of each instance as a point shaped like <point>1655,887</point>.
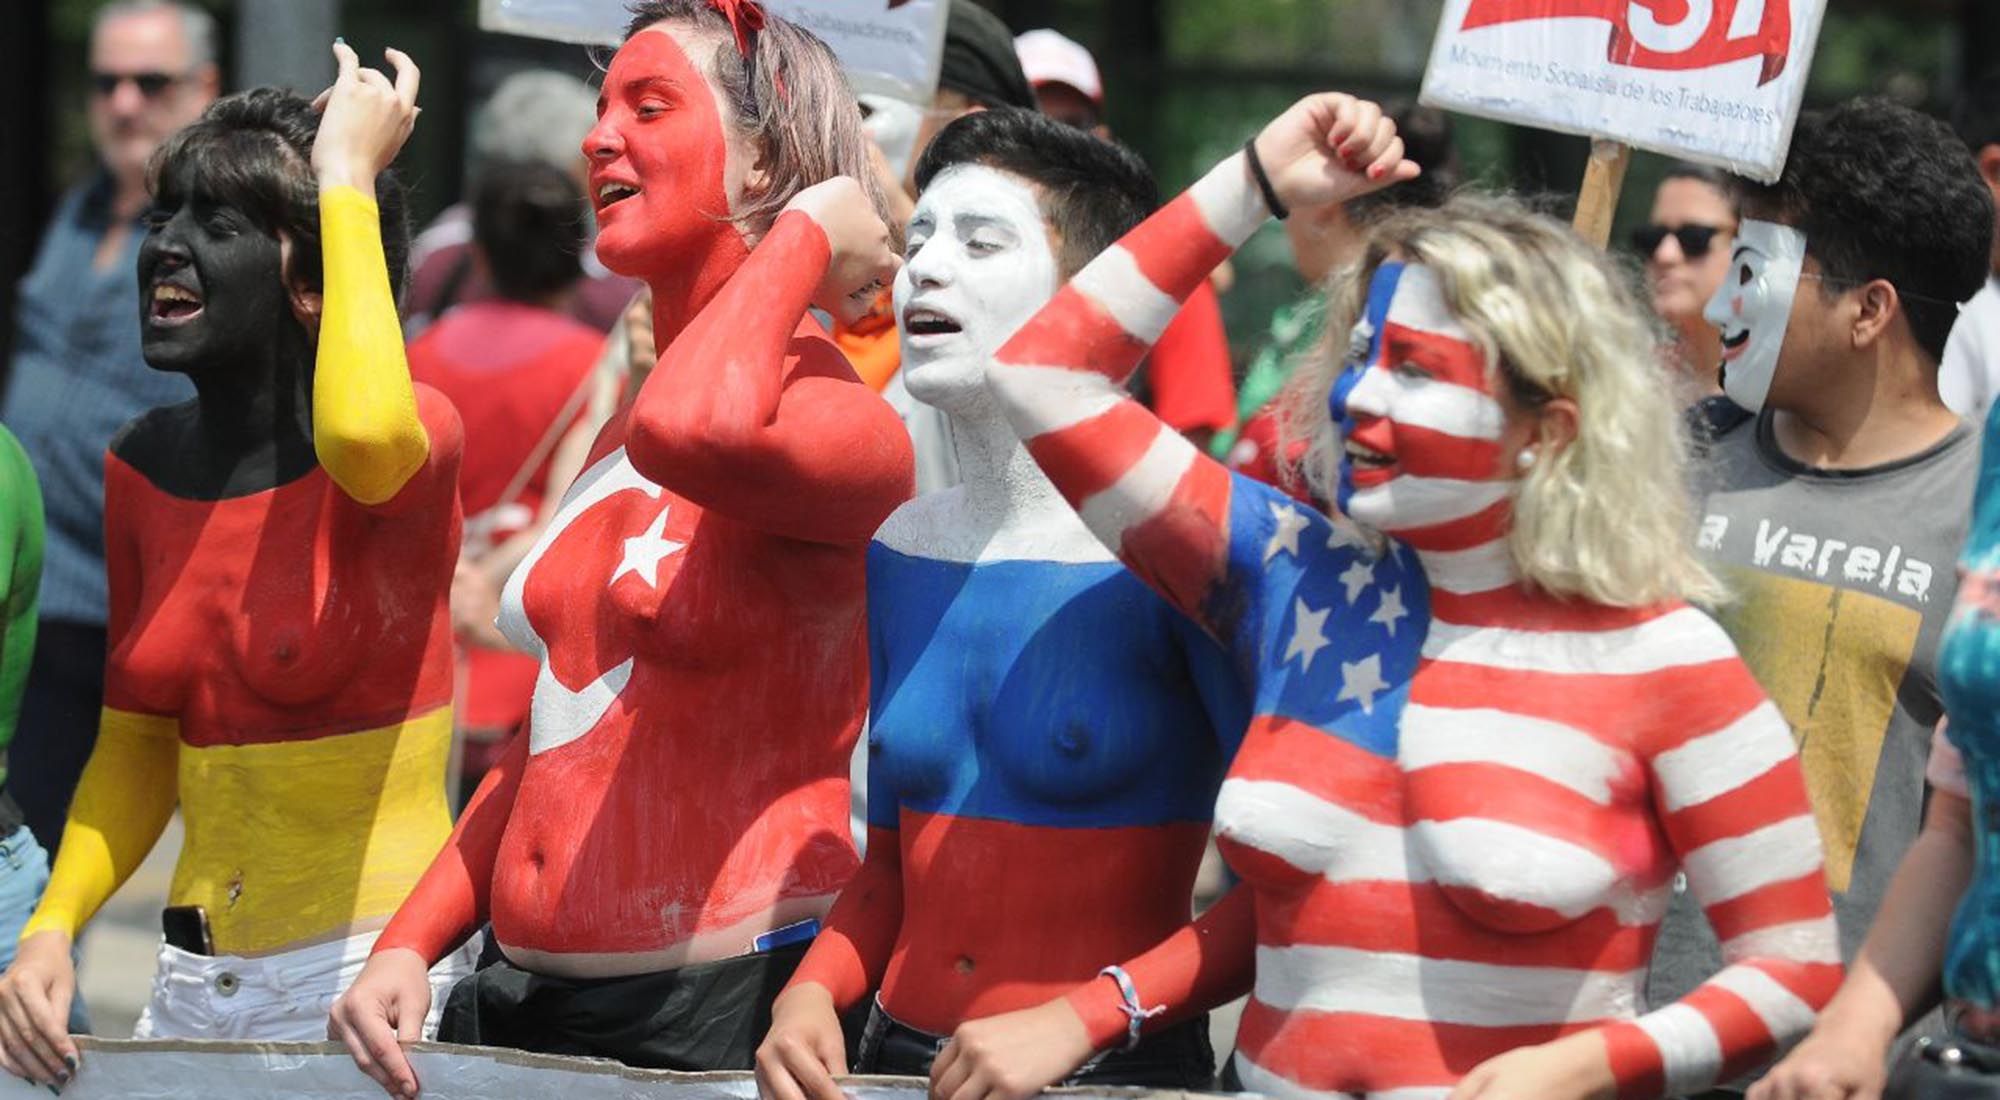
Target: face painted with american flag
<point>1421,424</point>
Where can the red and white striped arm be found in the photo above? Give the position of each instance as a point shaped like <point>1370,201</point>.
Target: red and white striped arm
<point>1146,492</point>
<point>1732,799</point>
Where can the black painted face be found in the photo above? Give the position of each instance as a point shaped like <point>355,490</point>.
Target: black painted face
<point>211,284</point>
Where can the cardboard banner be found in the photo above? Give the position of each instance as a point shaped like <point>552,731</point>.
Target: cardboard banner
<point>1713,81</point>
<point>888,47</point>
<point>193,1070</point>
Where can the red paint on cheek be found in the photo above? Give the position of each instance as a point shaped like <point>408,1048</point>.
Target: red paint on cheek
<point>660,131</point>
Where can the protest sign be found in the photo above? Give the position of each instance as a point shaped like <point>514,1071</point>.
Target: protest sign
<point>888,47</point>
<point>200,1070</point>
<point>1712,81</point>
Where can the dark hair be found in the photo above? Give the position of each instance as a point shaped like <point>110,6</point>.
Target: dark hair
<point>253,151</point>
<point>1426,134</point>
<point>1700,173</point>
<point>789,97</point>
<point>1885,192</point>
<point>527,220</point>
<point>979,61</point>
<point>1092,191</point>
<point>1976,115</point>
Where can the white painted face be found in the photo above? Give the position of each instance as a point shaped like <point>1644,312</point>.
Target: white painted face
<point>1754,304</point>
<point>979,265</point>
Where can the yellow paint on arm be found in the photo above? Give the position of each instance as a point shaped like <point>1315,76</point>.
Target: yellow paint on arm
<point>365,426</point>
<point>122,804</point>
<point>298,842</point>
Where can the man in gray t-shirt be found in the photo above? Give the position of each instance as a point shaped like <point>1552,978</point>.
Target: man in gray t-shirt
<point>1836,514</point>
<point>1842,580</point>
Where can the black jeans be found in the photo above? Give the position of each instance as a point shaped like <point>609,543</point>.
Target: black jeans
<point>60,707</point>
<point>709,1016</point>
<point>1178,1057</point>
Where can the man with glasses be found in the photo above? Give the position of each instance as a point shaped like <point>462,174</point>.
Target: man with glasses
<point>1685,245</point>
<point>77,376</point>
<point>1836,511</point>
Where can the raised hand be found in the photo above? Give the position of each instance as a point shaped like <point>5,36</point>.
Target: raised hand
<point>364,119</point>
<point>1331,147</point>
<point>862,263</point>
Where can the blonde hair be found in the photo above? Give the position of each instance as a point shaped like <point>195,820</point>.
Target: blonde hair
<point>1606,518</point>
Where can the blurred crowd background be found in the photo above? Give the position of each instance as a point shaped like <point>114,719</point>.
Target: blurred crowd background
<point>1185,80</point>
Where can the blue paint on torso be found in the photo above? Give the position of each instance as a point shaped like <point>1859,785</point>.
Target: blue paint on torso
<point>1062,694</point>
<point>1373,611</point>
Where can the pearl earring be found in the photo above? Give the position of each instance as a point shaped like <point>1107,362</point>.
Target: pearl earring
<point>1525,460</point>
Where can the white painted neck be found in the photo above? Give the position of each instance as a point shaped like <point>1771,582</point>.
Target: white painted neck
<point>1002,483</point>
<point>1487,567</point>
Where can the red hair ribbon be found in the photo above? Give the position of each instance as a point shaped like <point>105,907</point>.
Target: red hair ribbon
<point>746,18</point>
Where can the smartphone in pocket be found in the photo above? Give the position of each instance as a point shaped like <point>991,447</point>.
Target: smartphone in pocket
<point>186,927</point>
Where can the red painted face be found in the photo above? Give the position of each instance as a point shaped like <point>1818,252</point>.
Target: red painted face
<point>658,159</point>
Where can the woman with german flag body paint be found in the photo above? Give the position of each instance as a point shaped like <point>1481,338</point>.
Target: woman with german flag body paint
<point>280,551</point>
<point>655,850</point>
<point>1488,729</point>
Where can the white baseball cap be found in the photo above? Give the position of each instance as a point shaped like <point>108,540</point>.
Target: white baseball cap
<point>1048,57</point>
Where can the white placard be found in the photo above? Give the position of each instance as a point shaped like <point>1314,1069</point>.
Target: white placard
<point>1714,81</point>
<point>194,1070</point>
<point>888,47</point>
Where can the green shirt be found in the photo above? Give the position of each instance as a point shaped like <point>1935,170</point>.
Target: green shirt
<point>20,578</point>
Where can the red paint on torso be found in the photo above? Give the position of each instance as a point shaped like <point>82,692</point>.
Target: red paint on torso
<point>288,614</point>
<point>715,785</point>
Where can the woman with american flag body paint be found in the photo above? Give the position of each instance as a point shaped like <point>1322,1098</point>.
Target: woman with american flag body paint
<point>1481,752</point>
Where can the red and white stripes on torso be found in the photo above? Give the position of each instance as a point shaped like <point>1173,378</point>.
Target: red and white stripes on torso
<point>1496,879</point>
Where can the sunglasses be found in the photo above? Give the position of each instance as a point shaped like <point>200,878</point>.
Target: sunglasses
<point>150,85</point>
<point>1695,239</point>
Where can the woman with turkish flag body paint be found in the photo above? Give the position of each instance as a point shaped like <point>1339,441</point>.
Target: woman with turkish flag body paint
<point>1487,728</point>
<point>279,551</point>
<point>656,849</point>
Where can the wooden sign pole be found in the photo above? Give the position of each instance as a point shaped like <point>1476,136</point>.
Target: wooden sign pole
<point>1597,203</point>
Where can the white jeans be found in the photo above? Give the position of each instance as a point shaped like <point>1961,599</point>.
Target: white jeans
<point>274,998</point>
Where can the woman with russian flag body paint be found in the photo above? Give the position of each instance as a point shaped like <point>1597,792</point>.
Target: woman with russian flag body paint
<point>1487,729</point>
<point>1047,734</point>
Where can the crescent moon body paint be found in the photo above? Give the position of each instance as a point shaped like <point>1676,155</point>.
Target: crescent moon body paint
<point>1753,307</point>
<point>696,604</point>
